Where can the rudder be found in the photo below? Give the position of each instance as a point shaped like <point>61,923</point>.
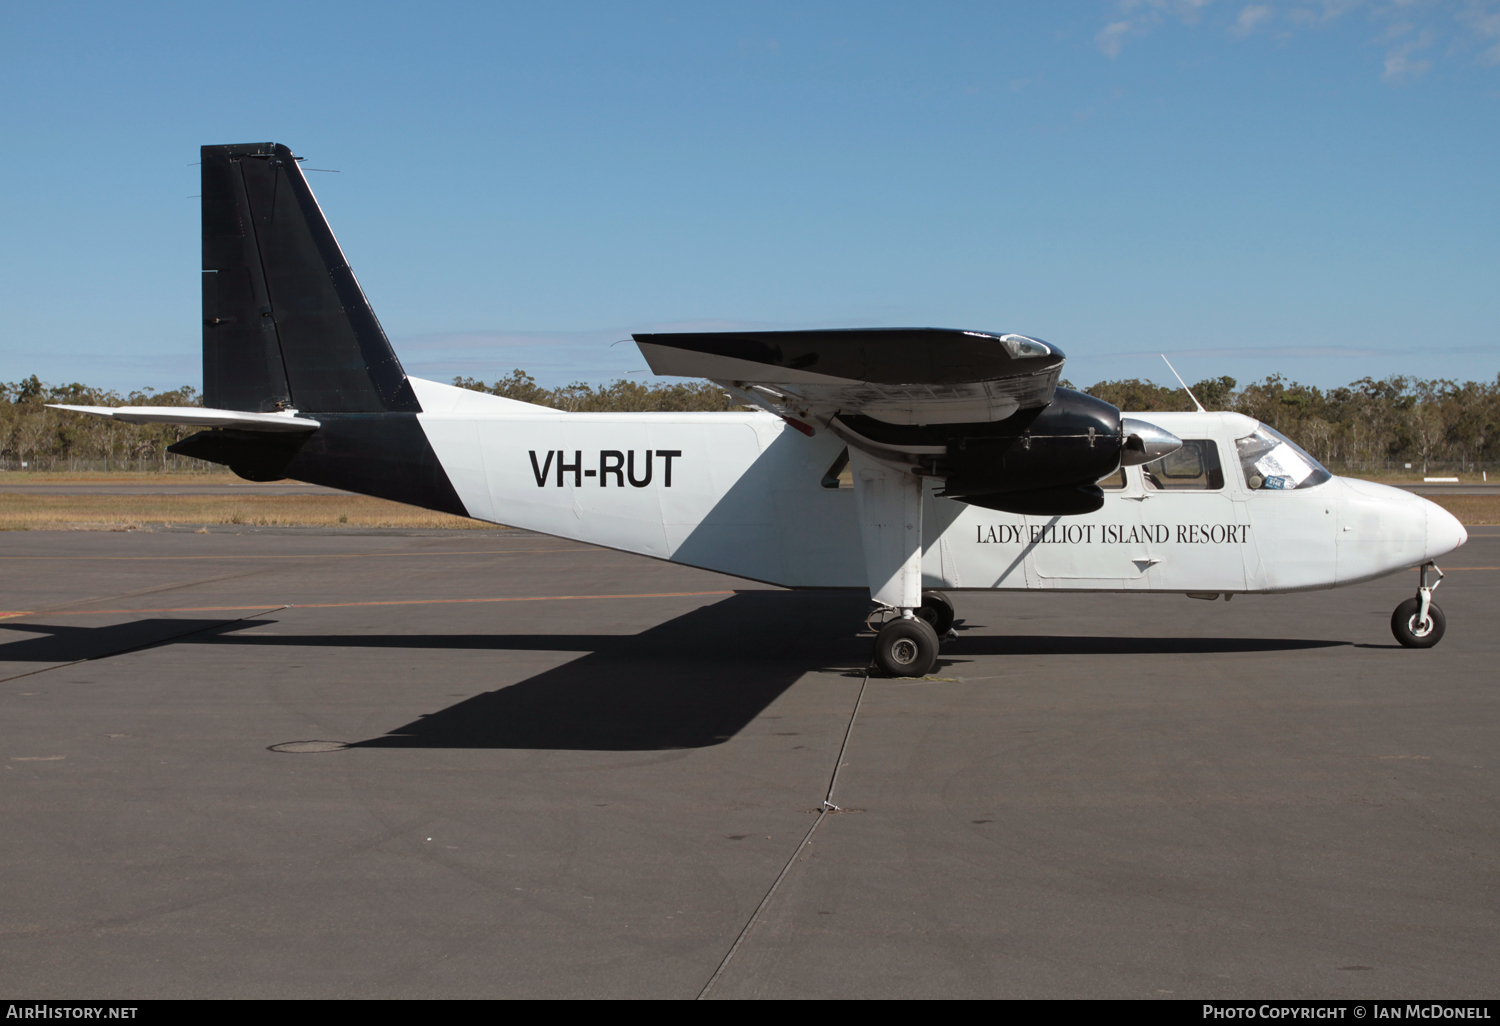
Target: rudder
<point>285,322</point>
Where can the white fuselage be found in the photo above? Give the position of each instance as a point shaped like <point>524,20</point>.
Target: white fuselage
<point>745,498</point>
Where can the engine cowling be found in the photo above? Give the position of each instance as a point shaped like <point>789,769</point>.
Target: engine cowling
<point>1043,502</point>
<point>1042,461</point>
<point>1072,442</point>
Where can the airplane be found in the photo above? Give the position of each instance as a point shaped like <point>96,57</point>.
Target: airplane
<point>970,467</point>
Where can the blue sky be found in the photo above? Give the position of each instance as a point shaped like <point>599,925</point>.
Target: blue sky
<point>1299,188</point>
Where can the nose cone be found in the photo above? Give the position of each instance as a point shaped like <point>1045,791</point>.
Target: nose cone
<point>1382,529</point>
<point>1444,532</point>
<point>1145,442</point>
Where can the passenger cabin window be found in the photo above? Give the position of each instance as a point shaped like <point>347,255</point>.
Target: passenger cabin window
<point>1194,467</point>
<point>1113,482</point>
<point>1273,462</point>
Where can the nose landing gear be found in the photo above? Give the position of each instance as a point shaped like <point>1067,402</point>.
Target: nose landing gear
<point>1418,622</point>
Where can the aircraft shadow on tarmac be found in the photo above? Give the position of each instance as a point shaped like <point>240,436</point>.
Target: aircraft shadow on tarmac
<point>691,682</point>
<point>1069,644</point>
<point>69,644</point>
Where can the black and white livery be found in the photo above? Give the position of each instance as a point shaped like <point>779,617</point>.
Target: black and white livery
<point>971,468</point>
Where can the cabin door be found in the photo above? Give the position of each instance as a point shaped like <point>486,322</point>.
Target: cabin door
<point>1198,531</point>
<point>1107,549</point>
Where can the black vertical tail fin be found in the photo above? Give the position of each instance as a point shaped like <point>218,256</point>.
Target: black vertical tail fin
<point>285,323</point>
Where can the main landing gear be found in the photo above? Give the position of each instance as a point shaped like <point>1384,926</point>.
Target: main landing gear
<point>1418,622</point>
<point>937,611</point>
<point>907,646</point>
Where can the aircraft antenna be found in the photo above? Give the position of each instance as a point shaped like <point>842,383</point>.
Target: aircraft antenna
<point>1189,391</point>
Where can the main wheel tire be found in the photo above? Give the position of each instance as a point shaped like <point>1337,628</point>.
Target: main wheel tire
<point>937,611</point>
<point>1412,634</point>
<point>906,648</point>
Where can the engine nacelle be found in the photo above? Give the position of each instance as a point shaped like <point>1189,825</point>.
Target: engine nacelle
<point>1046,463</point>
<point>1043,502</point>
<point>1042,461</point>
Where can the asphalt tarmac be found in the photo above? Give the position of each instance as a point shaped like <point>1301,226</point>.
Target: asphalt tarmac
<point>571,772</point>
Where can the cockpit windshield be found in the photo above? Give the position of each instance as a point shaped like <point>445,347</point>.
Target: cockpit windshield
<point>1273,461</point>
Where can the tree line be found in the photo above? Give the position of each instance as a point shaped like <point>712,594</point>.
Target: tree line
<point>1367,425</point>
<point>44,439</point>
<point>619,396</point>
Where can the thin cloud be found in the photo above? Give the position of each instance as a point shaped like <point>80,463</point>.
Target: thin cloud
<point>1399,65</point>
<point>1288,352</point>
<point>1483,20</point>
<point>1322,13</point>
<point>552,357</point>
<point>1111,38</point>
<point>1143,15</point>
<point>1188,11</point>
<point>1250,17</point>
<point>503,339</point>
<point>1407,28</point>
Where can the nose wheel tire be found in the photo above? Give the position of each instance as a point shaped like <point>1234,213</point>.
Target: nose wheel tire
<point>906,648</point>
<point>1414,634</point>
<point>937,611</point>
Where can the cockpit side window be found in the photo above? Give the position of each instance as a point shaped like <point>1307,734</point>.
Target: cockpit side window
<point>1194,467</point>
<point>1273,462</point>
<point>1114,482</point>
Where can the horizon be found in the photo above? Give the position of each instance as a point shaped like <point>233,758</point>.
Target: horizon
<point>664,381</point>
<point>1302,188</point>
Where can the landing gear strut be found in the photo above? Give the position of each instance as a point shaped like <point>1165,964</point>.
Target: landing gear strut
<point>888,497</point>
<point>1418,622</point>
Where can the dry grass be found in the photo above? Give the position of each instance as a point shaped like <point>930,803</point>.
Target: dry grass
<point>142,512</point>
<point>1415,477</point>
<point>26,477</point>
<point>1470,509</point>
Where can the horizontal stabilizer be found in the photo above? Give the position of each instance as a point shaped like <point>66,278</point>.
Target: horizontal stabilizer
<point>197,416</point>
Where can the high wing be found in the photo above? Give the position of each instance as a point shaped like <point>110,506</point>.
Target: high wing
<point>979,411</point>
<point>936,402</point>
<point>908,376</point>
